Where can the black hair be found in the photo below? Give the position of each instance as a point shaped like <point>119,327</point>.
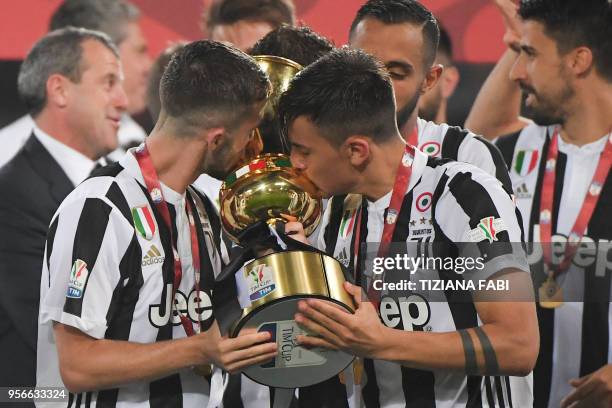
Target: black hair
<point>346,92</point>
<point>226,12</point>
<point>155,75</point>
<point>445,45</point>
<point>208,84</point>
<point>576,23</point>
<point>299,44</point>
<point>403,11</point>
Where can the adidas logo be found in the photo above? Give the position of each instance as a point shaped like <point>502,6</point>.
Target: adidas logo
<point>153,256</point>
<point>343,258</point>
<point>522,192</point>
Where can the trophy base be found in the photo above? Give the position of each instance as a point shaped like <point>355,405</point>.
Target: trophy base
<point>294,366</point>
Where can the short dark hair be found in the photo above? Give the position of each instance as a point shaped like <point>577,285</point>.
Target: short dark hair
<point>226,12</point>
<point>155,75</point>
<point>346,92</point>
<point>403,11</point>
<point>299,44</point>
<point>445,45</point>
<point>208,84</point>
<point>58,52</point>
<point>108,16</point>
<point>575,23</point>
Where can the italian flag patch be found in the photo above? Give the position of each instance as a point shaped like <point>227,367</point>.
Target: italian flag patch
<point>348,223</point>
<point>144,222</point>
<point>525,162</point>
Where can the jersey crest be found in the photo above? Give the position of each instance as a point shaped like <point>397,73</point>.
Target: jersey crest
<point>144,222</point>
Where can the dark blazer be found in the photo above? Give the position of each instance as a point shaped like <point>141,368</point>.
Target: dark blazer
<point>32,186</point>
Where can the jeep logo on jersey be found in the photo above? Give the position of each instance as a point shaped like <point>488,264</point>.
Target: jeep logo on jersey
<point>78,279</point>
<point>589,252</point>
<point>412,312</point>
<point>185,305</point>
<point>143,221</point>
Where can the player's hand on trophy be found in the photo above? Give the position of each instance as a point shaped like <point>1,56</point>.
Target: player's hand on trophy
<point>593,390</point>
<point>295,229</point>
<point>360,333</point>
<point>234,354</point>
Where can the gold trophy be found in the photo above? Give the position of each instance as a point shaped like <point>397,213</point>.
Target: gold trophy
<point>258,194</point>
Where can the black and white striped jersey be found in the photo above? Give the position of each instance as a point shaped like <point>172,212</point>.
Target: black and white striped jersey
<point>451,142</point>
<point>446,201</point>
<point>108,272</point>
<point>574,338</point>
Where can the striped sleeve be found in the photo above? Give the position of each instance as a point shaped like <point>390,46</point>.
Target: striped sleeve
<point>486,156</point>
<point>478,214</point>
<point>91,238</point>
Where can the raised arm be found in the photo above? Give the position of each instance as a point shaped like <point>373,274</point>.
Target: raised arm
<point>496,110</point>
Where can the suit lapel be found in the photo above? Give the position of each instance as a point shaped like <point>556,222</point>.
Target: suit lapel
<point>48,169</point>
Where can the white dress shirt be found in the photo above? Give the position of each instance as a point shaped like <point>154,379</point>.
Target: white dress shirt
<point>14,136</point>
<point>76,165</point>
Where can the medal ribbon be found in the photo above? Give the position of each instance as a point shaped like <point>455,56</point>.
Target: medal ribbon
<point>584,216</point>
<point>402,180</point>
<point>413,139</point>
<point>154,188</point>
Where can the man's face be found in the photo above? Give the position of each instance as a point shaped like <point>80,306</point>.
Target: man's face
<point>95,104</point>
<point>400,48</point>
<point>136,66</point>
<point>242,34</point>
<point>320,161</point>
<point>540,72</point>
<point>221,161</point>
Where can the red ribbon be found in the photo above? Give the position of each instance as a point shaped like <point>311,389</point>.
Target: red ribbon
<point>154,188</point>
<point>584,216</point>
<point>402,180</point>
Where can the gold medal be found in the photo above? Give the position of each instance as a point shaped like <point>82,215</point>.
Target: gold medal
<point>358,370</point>
<point>204,370</point>
<point>550,294</point>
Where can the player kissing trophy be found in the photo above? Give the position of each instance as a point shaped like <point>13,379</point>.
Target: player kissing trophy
<point>272,270</point>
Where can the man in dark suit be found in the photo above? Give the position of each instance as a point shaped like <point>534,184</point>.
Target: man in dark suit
<point>71,83</point>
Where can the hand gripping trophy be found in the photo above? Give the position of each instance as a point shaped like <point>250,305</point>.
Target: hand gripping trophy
<point>273,272</point>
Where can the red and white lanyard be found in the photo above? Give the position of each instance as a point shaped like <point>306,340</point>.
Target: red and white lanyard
<point>413,139</point>
<point>584,216</point>
<point>154,188</point>
<point>402,180</point>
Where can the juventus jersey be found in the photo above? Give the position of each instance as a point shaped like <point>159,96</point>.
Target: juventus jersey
<point>574,338</point>
<point>444,203</point>
<point>108,271</point>
<point>450,142</point>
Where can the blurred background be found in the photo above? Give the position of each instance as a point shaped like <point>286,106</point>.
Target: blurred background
<point>475,27</point>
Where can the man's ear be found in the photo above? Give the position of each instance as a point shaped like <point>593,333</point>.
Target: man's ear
<point>357,150</point>
<point>431,78</point>
<point>58,90</point>
<point>580,61</point>
<point>449,81</point>
<point>214,137</point>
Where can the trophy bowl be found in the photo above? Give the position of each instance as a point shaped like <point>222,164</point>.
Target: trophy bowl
<point>265,188</point>
<point>271,285</point>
